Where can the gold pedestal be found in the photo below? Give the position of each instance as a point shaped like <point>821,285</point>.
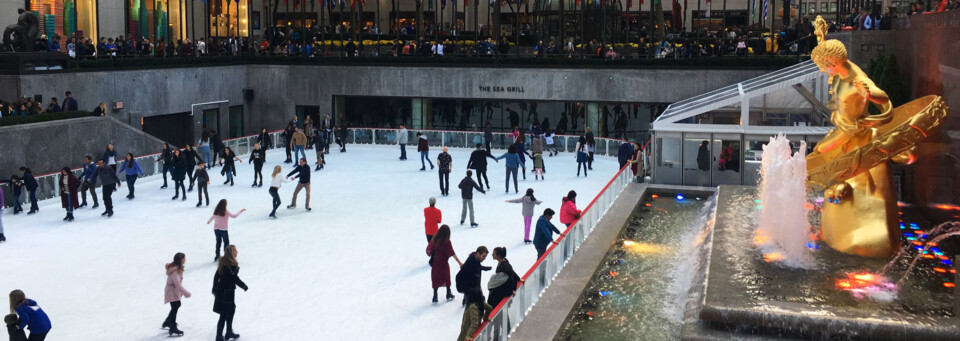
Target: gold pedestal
<point>866,222</point>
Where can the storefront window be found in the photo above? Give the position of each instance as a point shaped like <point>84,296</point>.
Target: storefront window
<point>150,19</point>
<point>65,18</point>
<point>228,18</point>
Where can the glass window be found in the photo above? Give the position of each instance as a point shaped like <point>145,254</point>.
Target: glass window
<point>149,19</point>
<point>833,7</point>
<point>727,157</point>
<point>668,159</point>
<point>752,154</point>
<point>825,7</point>
<point>66,18</point>
<point>811,8</point>
<point>697,160</point>
<point>227,18</point>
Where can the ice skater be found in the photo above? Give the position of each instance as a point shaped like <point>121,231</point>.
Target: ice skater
<point>173,291</point>
<point>582,156</point>
<point>469,275</point>
<point>178,165</point>
<point>30,184</point>
<point>402,138</point>
<point>424,149</point>
<point>257,156</point>
<point>543,235</point>
<point>298,143</point>
<point>538,166</point>
<point>68,184</point>
<point>440,250</point>
<point>445,162</point>
<point>30,316</point>
<point>165,165</point>
<point>221,221</point>
<point>229,166</point>
<point>342,136</point>
<point>466,193</point>
<point>192,159</point>
<point>108,185</point>
<point>522,153</point>
<point>88,182</point>
<point>16,186</point>
<point>512,164</point>
<point>319,151</point>
<point>203,184</point>
<point>13,328</point>
<point>132,170</point>
<point>568,209</point>
<point>204,145</point>
<point>303,173</point>
<point>478,163</point>
<point>276,180</point>
<point>504,282</point>
<point>431,219</point>
<point>528,202</point>
<point>110,157</point>
<point>225,283</point>
<point>551,146</point>
<point>4,238</point>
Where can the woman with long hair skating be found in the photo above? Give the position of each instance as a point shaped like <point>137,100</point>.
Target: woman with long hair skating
<point>221,218</point>
<point>277,180</point>
<point>173,291</point>
<point>225,283</point>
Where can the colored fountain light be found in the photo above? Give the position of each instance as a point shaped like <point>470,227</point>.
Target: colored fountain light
<point>679,197</point>
<point>868,285</point>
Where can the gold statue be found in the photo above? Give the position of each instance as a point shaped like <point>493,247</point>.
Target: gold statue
<point>852,162</point>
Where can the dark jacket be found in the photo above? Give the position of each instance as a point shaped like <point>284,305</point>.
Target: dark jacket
<point>466,188</point>
<point>108,154</point>
<point>29,181</point>
<point>542,236</point>
<point>488,134</point>
<point>70,104</point>
<point>265,141</point>
<point>224,287</point>
<point>90,174</point>
<point>469,275</point>
<point>302,172</point>
<point>506,289</point>
<point>216,143</point>
<point>228,161</point>
<point>191,157</point>
<point>179,165</point>
<point>69,191</point>
<point>106,175</point>
<point>624,153</point>
<point>16,334</point>
<point>443,162</point>
<point>202,177</point>
<point>478,159</point>
<point>258,156</point>
<point>165,157</point>
<point>422,145</point>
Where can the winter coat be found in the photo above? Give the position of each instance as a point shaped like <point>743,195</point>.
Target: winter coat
<point>440,263</point>
<point>302,172</point>
<point>165,157</point>
<point>528,204</point>
<point>538,161</point>
<point>265,141</point>
<point>431,220</point>
<point>624,152</point>
<point>513,160</point>
<point>29,181</point>
<point>542,236</point>
<point>478,159</point>
<point>402,136</point>
<point>106,175</point>
<point>131,169</point>
<point>70,190</point>
<point>488,134</point>
<point>469,275</point>
<point>33,317</point>
<point>299,139</point>
<point>521,152</point>
<point>110,157</point>
<point>505,289</point>
<point>216,143</point>
<point>16,334</point>
<point>568,212</point>
<point>443,162</point>
<point>174,289</point>
<point>229,162</point>
<point>472,319</point>
<point>466,188</point>
<point>258,156</point>
<point>224,288</point>
<point>90,174</point>
<point>422,145</point>
<point>179,168</point>
<point>191,158</point>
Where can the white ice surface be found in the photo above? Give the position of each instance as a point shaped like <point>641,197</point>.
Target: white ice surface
<point>352,269</point>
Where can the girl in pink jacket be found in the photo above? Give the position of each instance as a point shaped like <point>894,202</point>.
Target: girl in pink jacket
<point>174,291</point>
<point>568,211</point>
<point>220,219</point>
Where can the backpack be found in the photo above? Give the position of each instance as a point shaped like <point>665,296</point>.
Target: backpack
<point>461,280</point>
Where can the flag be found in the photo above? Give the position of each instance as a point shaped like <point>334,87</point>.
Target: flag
<point>494,2</point>
<point>708,9</point>
<point>629,4</point>
<point>353,3</point>
<point>765,10</point>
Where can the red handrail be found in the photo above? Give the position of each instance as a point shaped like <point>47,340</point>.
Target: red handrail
<point>553,245</point>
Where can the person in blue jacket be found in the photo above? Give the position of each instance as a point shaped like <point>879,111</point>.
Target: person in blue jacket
<point>132,170</point>
<point>544,232</point>
<point>513,162</point>
<point>89,182</point>
<point>31,316</point>
<point>624,153</point>
<point>26,175</point>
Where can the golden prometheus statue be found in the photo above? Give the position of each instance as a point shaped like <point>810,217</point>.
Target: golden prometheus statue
<point>852,162</point>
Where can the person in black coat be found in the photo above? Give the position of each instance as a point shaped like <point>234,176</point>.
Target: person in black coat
<point>507,283</point>
<point>469,275</point>
<point>229,167</point>
<point>478,162</point>
<point>217,145</point>
<point>257,156</point>
<point>225,283</point>
<point>165,162</point>
<point>264,139</point>
<point>30,183</point>
<point>303,173</point>
<point>178,166</point>
<point>191,158</point>
<point>466,193</point>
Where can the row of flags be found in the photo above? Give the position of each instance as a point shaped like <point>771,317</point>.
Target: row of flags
<point>752,4</point>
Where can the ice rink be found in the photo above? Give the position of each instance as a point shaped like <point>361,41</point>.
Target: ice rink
<point>354,268</point>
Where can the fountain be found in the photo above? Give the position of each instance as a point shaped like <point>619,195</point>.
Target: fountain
<point>782,230</point>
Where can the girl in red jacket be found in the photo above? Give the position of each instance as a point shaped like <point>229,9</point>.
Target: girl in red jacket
<point>568,211</point>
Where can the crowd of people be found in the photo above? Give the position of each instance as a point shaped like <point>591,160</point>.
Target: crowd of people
<point>33,106</point>
<point>189,165</point>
